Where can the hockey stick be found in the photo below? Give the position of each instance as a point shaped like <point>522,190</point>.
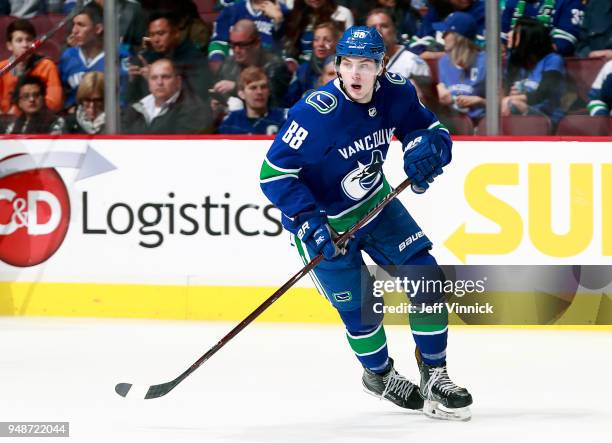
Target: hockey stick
<point>162,389</point>
<point>39,42</point>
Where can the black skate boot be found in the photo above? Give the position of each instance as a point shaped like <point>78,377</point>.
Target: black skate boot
<point>393,387</point>
<point>443,398</point>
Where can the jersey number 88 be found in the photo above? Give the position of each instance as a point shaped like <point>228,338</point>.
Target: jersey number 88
<point>295,135</point>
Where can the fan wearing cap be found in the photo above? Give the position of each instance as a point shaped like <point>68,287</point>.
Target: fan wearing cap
<point>324,172</point>
<point>462,69</point>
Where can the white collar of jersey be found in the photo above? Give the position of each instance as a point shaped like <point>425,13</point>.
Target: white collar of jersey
<point>339,86</point>
<point>395,57</point>
<point>253,12</point>
<point>93,61</point>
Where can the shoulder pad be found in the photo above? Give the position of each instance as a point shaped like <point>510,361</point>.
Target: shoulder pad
<point>395,78</point>
<point>323,101</point>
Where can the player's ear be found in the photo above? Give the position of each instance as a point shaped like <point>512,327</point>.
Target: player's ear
<point>241,94</point>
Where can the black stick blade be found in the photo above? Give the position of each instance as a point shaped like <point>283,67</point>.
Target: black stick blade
<point>157,391</point>
<point>123,388</point>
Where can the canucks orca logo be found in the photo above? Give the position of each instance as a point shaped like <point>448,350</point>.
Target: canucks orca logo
<point>360,180</point>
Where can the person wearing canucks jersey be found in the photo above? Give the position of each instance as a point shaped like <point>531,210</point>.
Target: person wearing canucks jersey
<point>324,172</point>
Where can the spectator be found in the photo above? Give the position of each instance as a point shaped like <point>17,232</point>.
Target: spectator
<point>246,45</point>
<point>190,23</point>
<point>462,69</point>
<point>397,59</point>
<point>596,34</point>
<point>562,17</point>
<point>600,97</point>
<point>23,8</point>
<point>268,16</point>
<point>88,53</point>
<point>328,73</point>
<point>536,74</point>
<point>256,117</point>
<point>131,19</point>
<point>164,41</point>
<point>89,116</point>
<point>425,42</point>
<point>34,116</point>
<point>169,108</point>
<point>302,20</point>
<point>324,43</point>
<point>20,35</point>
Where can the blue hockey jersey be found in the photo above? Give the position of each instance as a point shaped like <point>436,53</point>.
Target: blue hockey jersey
<point>73,67</point>
<point>237,122</point>
<point>269,33</point>
<point>330,152</point>
<point>600,96</point>
<point>566,21</point>
<point>427,35</point>
<point>465,82</point>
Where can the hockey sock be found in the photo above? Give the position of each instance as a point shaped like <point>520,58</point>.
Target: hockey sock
<point>370,348</point>
<point>430,332</point>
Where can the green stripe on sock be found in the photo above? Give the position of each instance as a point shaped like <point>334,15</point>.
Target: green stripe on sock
<point>429,322</point>
<point>368,344</point>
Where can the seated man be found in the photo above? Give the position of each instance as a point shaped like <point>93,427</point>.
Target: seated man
<point>34,117</point>
<point>256,117</point>
<point>248,51</point>
<point>600,97</point>
<point>169,108</point>
<point>88,53</point>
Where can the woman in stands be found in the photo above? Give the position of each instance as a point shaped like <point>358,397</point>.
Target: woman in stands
<point>19,37</point>
<point>326,36</point>
<point>462,69</point>
<point>302,20</point>
<point>89,116</point>
<point>536,74</point>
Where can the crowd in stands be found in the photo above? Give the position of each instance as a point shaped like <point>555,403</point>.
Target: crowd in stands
<point>237,66</point>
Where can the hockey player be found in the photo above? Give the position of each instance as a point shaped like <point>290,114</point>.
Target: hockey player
<point>324,172</point>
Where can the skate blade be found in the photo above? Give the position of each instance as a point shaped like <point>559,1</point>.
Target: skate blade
<point>434,409</point>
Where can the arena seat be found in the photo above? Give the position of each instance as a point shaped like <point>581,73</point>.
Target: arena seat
<point>458,124</point>
<point>582,72</point>
<point>585,125</point>
<point>520,125</point>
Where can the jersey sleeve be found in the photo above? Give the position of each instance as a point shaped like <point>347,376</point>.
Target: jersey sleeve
<point>218,48</point>
<point>296,145</point>
<point>567,24</point>
<point>411,115</point>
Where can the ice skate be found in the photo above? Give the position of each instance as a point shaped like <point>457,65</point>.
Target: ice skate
<point>393,387</point>
<point>444,400</point>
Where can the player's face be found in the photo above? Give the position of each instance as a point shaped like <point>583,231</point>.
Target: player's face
<point>358,75</point>
<point>84,31</point>
<point>163,81</point>
<point>30,99</point>
<point>323,43</point>
<point>20,42</point>
<point>256,94</point>
<point>163,36</point>
<point>384,25</point>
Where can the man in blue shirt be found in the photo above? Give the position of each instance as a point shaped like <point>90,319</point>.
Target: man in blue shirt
<point>324,172</point>
<point>256,117</point>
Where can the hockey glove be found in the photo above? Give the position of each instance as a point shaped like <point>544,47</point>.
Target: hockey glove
<point>312,228</point>
<point>423,158</point>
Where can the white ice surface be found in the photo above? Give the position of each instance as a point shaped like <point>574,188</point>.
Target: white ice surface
<point>287,383</point>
